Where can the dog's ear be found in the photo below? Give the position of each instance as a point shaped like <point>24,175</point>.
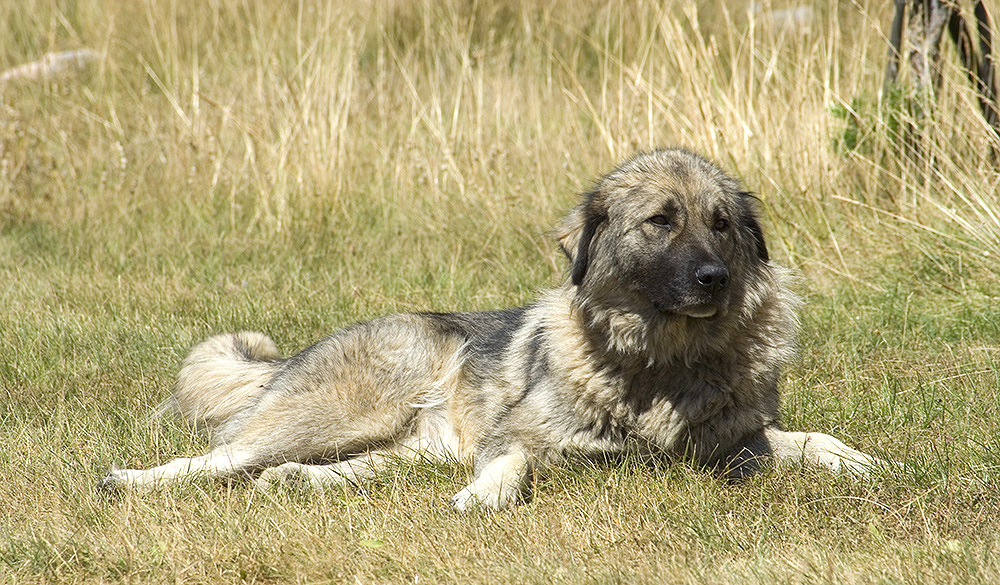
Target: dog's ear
<point>752,225</point>
<point>576,234</point>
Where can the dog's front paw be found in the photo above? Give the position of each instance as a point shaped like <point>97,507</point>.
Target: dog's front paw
<point>476,496</point>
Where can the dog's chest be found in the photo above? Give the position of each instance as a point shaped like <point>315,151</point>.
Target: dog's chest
<point>607,412</point>
<point>658,408</point>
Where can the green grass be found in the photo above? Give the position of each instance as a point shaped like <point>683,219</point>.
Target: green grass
<point>293,168</point>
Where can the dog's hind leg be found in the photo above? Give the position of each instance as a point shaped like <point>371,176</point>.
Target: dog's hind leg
<point>268,440</point>
<point>222,462</point>
<point>354,470</point>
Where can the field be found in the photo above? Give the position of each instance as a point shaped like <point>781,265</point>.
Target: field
<point>295,167</point>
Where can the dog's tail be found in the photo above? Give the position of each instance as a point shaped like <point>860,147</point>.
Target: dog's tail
<point>222,376</point>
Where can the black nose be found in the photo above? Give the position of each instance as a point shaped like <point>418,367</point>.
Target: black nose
<point>712,277</point>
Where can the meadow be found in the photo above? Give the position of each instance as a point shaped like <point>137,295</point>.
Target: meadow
<point>293,167</point>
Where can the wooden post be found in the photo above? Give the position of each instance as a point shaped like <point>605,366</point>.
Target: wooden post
<point>925,27</point>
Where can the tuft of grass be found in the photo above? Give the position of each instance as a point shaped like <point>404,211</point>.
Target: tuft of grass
<point>294,167</point>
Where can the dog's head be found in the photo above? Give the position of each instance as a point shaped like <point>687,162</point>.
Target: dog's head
<point>670,231</point>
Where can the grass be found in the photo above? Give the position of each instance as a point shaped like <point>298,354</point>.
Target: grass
<point>294,167</point>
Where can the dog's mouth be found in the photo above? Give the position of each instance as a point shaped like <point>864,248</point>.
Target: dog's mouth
<point>694,310</point>
<point>701,311</point>
<point>695,304</point>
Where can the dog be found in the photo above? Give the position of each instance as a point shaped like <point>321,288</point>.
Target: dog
<point>667,339</point>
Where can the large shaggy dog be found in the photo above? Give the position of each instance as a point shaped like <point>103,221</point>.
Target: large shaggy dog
<point>667,339</point>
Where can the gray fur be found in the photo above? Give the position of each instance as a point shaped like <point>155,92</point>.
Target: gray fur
<point>668,337</point>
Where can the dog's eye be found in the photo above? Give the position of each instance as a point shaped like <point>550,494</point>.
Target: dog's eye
<point>721,224</point>
<point>660,221</point>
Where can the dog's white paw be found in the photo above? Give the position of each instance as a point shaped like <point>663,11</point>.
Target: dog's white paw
<point>118,479</point>
<point>286,474</point>
<point>841,459</point>
<point>492,497</point>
